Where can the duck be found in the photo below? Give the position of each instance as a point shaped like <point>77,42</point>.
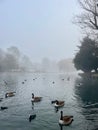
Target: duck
<point>10,94</point>
<point>59,104</point>
<point>65,120</point>
<point>36,99</point>
<point>31,117</point>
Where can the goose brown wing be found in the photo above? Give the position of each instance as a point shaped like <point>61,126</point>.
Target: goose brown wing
<point>67,118</point>
<point>61,102</point>
<point>37,97</point>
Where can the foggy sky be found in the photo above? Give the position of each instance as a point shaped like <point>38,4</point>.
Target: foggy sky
<point>39,28</point>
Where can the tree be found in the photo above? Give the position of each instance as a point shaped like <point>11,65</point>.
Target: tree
<point>9,62</point>
<point>87,57</point>
<point>25,63</point>
<point>89,18</point>
<point>14,51</point>
<point>14,54</point>
<point>2,56</point>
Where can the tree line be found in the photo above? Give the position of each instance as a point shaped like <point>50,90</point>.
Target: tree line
<point>12,60</point>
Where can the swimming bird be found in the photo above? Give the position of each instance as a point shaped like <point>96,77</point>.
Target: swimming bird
<point>59,104</point>
<point>9,94</point>
<point>65,120</point>
<point>31,117</point>
<point>36,99</point>
<point>3,108</point>
<point>1,99</point>
<point>22,82</point>
<point>62,79</point>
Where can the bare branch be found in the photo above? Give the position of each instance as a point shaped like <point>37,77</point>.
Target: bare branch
<point>88,20</point>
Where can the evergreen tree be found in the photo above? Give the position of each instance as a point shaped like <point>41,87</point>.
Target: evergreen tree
<point>87,57</point>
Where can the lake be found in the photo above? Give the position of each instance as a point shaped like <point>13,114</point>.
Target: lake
<point>79,93</point>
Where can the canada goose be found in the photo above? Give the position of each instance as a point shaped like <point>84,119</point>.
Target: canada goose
<point>65,120</point>
<point>59,103</point>
<point>10,94</point>
<point>3,108</point>
<point>36,99</point>
<point>31,117</point>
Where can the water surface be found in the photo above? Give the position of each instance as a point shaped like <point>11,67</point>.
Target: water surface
<point>80,96</point>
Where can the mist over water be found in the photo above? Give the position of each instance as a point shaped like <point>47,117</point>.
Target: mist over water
<point>43,30</point>
<point>13,60</point>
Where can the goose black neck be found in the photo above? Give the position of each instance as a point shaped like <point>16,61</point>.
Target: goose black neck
<point>32,95</point>
<point>6,95</point>
<point>61,115</point>
<point>57,102</point>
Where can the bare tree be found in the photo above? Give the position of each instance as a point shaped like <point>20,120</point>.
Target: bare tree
<point>88,19</point>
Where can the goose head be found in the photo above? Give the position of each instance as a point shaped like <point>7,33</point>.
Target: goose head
<point>54,101</point>
<point>31,117</point>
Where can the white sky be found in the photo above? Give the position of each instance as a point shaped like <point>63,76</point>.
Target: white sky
<point>40,28</point>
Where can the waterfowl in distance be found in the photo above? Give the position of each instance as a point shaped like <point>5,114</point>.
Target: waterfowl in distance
<point>9,94</point>
<point>31,117</point>
<point>1,99</point>
<point>36,99</point>
<point>3,108</point>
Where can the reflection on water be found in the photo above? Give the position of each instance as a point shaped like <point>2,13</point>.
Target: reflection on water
<point>79,94</point>
<point>86,89</point>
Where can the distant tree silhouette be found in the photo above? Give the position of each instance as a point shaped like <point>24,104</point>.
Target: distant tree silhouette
<point>13,60</point>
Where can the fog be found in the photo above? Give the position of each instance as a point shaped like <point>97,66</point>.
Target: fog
<point>13,60</point>
<point>40,29</point>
